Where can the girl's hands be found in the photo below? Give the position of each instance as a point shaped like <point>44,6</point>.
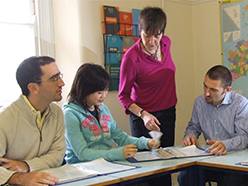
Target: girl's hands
<point>129,151</point>
<point>151,144</point>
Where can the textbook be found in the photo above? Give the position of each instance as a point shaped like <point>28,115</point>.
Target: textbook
<point>114,49</point>
<point>79,171</point>
<point>114,72</point>
<point>126,23</point>
<point>169,153</point>
<point>135,15</point>
<point>110,19</point>
<point>127,42</point>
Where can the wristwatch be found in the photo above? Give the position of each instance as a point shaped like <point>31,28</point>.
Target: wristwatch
<point>141,112</point>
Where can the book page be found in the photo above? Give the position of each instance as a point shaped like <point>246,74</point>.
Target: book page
<point>67,173</point>
<point>169,153</point>
<point>166,153</point>
<point>146,156</point>
<point>72,172</point>
<point>101,166</point>
<point>191,150</point>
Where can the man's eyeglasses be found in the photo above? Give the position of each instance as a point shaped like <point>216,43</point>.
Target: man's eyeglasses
<point>54,78</point>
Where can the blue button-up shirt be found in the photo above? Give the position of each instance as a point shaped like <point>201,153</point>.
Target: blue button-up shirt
<point>227,122</point>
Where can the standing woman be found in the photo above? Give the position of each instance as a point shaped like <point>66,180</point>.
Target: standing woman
<point>147,87</point>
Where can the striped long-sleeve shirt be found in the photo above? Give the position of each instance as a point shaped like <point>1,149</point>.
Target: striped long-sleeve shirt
<point>228,122</point>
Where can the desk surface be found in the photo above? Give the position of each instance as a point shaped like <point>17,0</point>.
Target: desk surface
<point>228,161</point>
<point>148,168</point>
<point>151,168</point>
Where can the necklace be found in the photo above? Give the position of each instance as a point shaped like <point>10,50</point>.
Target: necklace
<point>154,54</point>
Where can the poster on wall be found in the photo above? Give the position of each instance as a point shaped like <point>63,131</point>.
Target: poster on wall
<point>234,30</point>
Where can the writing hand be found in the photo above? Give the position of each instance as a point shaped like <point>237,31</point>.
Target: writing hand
<point>190,140</point>
<point>150,121</point>
<point>33,178</point>
<point>151,144</point>
<point>129,151</point>
<point>217,147</point>
<point>13,165</point>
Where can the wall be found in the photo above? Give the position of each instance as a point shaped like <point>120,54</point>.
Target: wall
<point>193,29</point>
<point>179,29</point>
<point>206,40</point>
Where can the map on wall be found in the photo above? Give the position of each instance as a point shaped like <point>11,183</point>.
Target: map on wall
<point>234,25</point>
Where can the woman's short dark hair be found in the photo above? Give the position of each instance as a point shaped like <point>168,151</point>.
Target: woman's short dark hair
<point>220,72</point>
<point>89,79</point>
<point>29,71</point>
<point>152,20</point>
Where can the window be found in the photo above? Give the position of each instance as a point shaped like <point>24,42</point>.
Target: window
<point>17,43</point>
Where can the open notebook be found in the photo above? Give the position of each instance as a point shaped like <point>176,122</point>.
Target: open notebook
<point>73,172</point>
<point>169,153</point>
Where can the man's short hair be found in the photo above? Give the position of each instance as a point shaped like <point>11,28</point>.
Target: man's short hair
<point>220,72</point>
<point>29,71</point>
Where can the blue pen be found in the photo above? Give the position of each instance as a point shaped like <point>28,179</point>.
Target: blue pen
<point>205,150</point>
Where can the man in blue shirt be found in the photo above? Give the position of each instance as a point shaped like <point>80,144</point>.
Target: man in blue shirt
<point>222,116</point>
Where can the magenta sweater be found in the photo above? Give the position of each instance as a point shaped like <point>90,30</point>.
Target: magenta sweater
<point>146,81</point>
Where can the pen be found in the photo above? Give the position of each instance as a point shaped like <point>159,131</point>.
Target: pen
<point>205,150</point>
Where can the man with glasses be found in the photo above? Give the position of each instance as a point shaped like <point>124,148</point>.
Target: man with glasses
<point>222,116</point>
<point>32,128</point>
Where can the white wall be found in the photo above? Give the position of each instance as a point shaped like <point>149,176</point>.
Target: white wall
<point>179,29</point>
<point>193,29</point>
<point>206,40</point>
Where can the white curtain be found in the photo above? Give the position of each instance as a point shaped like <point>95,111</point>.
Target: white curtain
<point>44,30</point>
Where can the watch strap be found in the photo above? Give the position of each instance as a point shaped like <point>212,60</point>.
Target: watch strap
<point>141,112</point>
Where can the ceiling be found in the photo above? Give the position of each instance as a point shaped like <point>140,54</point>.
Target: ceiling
<point>191,1</point>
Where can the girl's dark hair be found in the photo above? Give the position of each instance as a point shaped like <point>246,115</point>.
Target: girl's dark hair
<point>89,79</point>
<point>152,20</point>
